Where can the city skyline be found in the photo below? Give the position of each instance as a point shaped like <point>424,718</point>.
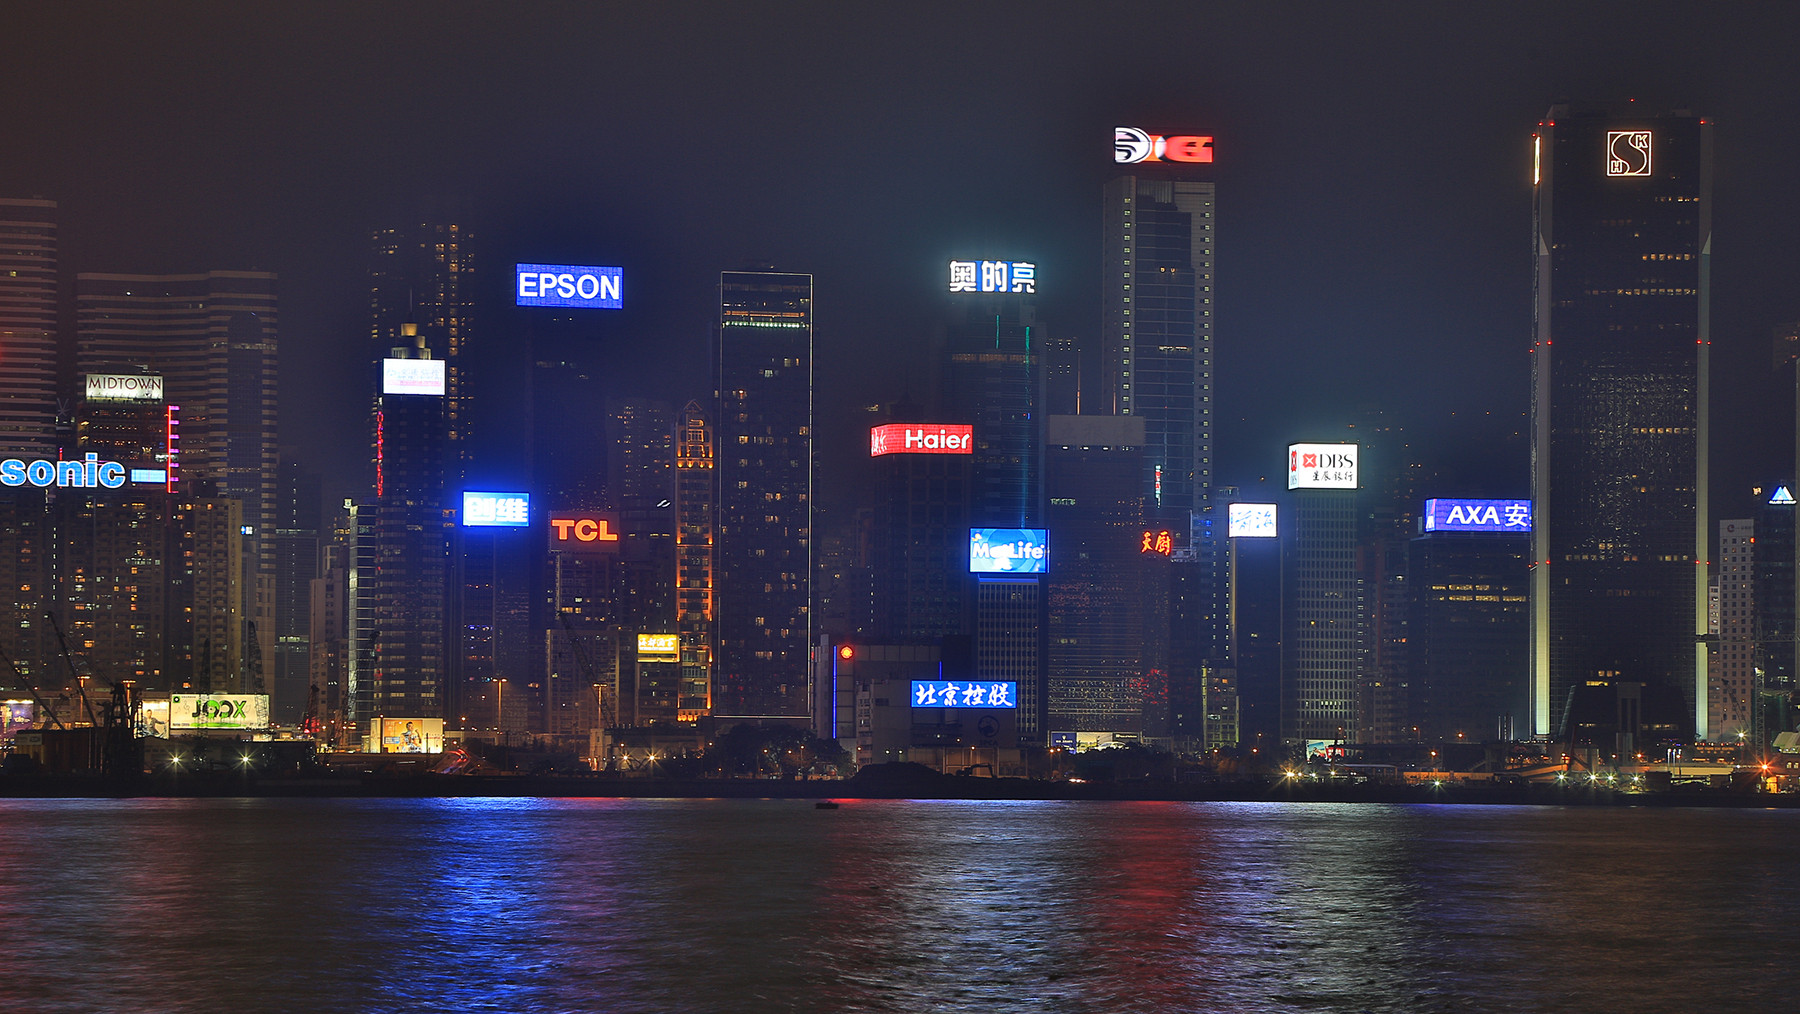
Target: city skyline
<point>1380,269</point>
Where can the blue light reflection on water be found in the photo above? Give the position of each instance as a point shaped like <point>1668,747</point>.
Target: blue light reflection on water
<point>715,905</point>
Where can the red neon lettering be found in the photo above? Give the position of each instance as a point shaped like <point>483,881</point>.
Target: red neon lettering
<point>562,528</point>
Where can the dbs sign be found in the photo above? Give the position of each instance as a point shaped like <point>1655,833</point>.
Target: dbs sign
<point>1133,145</point>
<point>584,533</point>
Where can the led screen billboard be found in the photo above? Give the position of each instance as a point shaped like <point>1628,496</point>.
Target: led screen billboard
<point>576,285</point>
<point>153,719</point>
<point>1250,521</point>
<point>659,647</point>
<point>921,438</point>
<point>1009,550</point>
<point>218,711</point>
<point>1134,144</point>
<point>412,376</point>
<point>16,716</point>
<point>496,510</point>
<point>1321,466</point>
<point>123,387</point>
<point>1478,516</point>
<point>409,735</point>
<point>964,694</point>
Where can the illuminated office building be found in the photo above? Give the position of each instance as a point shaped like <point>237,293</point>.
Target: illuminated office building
<point>919,539</point>
<point>1731,682</point>
<point>1775,588</point>
<point>1322,605</point>
<point>763,375</point>
<point>28,328</point>
<point>993,379</point>
<point>423,274</point>
<point>1623,234</point>
<point>1466,638</point>
<point>695,554</point>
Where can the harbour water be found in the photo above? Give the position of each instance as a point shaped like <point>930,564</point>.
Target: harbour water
<point>524,905</point>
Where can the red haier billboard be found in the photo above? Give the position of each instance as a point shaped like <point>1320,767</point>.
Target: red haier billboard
<point>921,438</point>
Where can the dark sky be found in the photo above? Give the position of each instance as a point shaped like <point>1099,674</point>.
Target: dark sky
<point>1372,160</point>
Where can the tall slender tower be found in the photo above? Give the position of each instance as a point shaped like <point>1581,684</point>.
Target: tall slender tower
<point>27,328</point>
<point>695,553</point>
<point>423,274</point>
<point>764,374</point>
<point>1623,237</point>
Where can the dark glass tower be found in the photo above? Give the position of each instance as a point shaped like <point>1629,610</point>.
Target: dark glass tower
<point>763,372</point>
<point>1623,231</point>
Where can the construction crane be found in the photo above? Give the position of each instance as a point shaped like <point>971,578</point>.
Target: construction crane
<point>80,680</point>
<point>43,706</point>
<point>119,747</point>
<point>608,716</point>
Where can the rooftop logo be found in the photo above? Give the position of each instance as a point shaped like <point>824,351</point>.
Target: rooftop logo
<point>925,438</point>
<point>1131,145</point>
<point>1628,153</point>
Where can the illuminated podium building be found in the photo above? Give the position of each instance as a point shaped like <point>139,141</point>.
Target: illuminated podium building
<point>1623,240</point>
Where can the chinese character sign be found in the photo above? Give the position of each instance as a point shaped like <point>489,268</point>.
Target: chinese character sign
<point>1157,542</point>
<point>993,276</point>
<point>490,510</point>
<point>964,694</point>
<point>1250,521</point>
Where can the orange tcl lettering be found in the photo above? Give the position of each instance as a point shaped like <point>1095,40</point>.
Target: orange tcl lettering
<point>583,530</point>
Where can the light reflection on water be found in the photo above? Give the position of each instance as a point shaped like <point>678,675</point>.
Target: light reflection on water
<point>759,905</point>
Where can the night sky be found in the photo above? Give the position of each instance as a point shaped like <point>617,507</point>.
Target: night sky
<point>1373,164</point>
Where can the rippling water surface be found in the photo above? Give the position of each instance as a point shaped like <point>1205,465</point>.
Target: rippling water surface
<point>716,905</point>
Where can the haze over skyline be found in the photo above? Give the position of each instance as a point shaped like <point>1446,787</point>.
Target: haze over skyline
<point>1373,164</point>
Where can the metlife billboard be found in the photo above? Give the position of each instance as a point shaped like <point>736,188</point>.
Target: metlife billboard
<point>1009,550</point>
<point>574,285</point>
<point>922,438</point>
<point>1504,516</point>
<point>1321,466</point>
<point>412,376</point>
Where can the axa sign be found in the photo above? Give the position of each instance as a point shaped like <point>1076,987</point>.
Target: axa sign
<point>1131,144</point>
<point>589,533</point>
<point>1478,516</point>
<point>924,438</point>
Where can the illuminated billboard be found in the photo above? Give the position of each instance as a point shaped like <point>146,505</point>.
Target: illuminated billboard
<point>150,476</point>
<point>496,510</point>
<point>921,438</point>
<point>584,532</point>
<point>1478,516</point>
<point>16,715</point>
<point>575,285</point>
<point>218,711</point>
<point>1321,466</point>
<point>993,276</point>
<point>1009,550</point>
<point>659,647</point>
<point>964,694</point>
<point>409,735</point>
<point>1250,521</point>
<point>412,376</point>
<point>85,472</point>
<point>1628,153</point>
<point>153,719</point>
<point>1131,145</point>
<point>1160,542</point>
<point>123,387</point>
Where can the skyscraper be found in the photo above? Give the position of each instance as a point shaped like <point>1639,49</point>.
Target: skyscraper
<point>1623,233</point>
<point>763,376</point>
<point>423,274</point>
<point>1731,683</point>
<point>695,555</point>
<point>993,379</point>
<point>27,328</point>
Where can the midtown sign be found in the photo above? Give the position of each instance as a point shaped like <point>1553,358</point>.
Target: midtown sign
<point>925,438</point>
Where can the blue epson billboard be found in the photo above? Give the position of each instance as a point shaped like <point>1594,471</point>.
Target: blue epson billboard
<point>576,285</point>
<point>496,510</point>
<point>1009,550</point>
<point>1512,516</point>
<point>964,694</point>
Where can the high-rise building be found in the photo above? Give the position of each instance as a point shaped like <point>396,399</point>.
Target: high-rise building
<point>1157,327</point>
<point>1466,636</point>
<point>1623,240</point>
<point>1322,605</point>
<point>423,274</point>
<point>28,328</point>
<point>212,337</point>
<point>764,424</point>
<point>695,555</point>
<point>295,543</point>
<point>993,379</point>
<point>1775,586</point>
<point>1731,682</point>
<point>919,535</point>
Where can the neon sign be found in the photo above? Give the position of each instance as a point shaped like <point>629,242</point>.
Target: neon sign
<point>496,510</point>
<point>993,276</point>
<point>1628,153</point>
<point>574,285</point>
<point>1132,145</point>
<point>1157,542</point>
<point>1008,550</point>
<point>964,694</point>
<point>88,472</point>
<point>906,438</point>
<point>583,532</point>
<point>1478,516</point>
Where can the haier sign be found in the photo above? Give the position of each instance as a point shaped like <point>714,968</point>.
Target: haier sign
<point>588,288</point>
<point>1009,550</point>
<point>1512,516</point>
<point>905,438</point>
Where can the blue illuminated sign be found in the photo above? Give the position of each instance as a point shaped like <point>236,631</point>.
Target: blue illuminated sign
<point>158,476</point>
<point>1009,550</point>
<point>89,471</point>
<point>964,694</point>
<point>993,276</point>
<point>1478,516</point>
<point>568,285</point>
<point>496,510</point>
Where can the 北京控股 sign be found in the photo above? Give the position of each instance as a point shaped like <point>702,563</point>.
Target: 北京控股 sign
<point>1132,145</point>
<point>586,533</point>
<point>921,438</point>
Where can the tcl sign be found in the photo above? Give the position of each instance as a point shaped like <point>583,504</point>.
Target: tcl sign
<point>926,438</point>
<point>1321,466</point>
<point>583,533</point>
<point>1133,145</point>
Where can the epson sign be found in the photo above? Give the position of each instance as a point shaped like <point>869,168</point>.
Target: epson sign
<point>574,285</point>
